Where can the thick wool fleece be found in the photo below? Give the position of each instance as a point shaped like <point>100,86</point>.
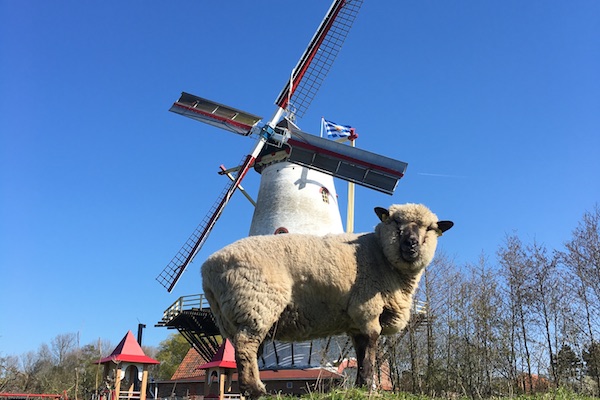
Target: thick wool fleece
<point>298,287</point>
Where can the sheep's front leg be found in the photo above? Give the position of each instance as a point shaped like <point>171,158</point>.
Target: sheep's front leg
<point>365,346</point>
<point>246,357</point>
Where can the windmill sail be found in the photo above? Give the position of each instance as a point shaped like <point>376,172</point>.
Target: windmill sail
<point>173,271</point>
<point>215,114</point>
<point>313,66</point>
<point>348,163</point>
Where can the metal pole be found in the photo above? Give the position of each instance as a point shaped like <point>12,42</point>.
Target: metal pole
<point>350,209</point>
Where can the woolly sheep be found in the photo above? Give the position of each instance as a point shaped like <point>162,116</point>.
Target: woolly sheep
<point>293,287</point>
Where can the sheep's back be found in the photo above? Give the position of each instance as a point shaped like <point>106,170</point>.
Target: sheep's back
<point>305,278</point>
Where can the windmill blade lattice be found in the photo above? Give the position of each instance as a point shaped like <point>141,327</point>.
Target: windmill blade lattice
<point>309,73</point>
<point>172,272</point>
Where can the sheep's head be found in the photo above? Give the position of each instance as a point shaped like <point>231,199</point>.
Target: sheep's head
<point>408,234</point>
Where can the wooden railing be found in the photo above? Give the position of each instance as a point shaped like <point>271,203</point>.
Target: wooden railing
<point>198,301</point>
<point>419,307</point>
<point>226,396</point>
<point>131,394</point>
<point>184,303</point>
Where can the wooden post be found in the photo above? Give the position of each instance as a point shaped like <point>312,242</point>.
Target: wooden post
<point>144,383</point>
<point>117,383</point>
<point>222,378</point>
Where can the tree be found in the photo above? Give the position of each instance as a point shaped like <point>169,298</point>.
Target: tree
<point>437,288</point>
<point>582,261</point>
<point>171,352</point>
<point>568,365</point>
<point>512,258</point>
<point>62,345</point>
<point>545,295</point>
<point>591,357</point>
<point>9,373</point>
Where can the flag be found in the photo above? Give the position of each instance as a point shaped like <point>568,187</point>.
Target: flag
<point>335,131</point>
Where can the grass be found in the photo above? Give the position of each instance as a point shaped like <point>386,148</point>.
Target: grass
<point>361,394</point>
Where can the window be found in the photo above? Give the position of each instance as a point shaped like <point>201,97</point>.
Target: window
<point>279,230</point>
<point>325,194</point>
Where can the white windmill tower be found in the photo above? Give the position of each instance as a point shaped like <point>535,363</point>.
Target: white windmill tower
<point>297,192</point>
<point>293,198</point>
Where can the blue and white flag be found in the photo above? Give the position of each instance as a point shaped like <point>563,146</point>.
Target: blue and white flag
<point>335,131</point>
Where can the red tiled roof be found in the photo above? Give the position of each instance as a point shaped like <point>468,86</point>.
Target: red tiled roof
<point>128,350</point>
<point>188,369</point>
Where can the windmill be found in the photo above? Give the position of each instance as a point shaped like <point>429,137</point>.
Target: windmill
<point>281,144</point>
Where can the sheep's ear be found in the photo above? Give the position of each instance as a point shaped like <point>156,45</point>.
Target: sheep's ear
<point>382,213</point>
<point>443,226</point>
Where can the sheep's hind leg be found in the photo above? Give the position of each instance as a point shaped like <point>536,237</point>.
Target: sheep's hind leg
<point>365,347</point>
<point>246,350</point>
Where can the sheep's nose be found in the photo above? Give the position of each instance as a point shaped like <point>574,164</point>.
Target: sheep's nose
<point>412,241</point>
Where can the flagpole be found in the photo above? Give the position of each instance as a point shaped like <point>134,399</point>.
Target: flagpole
<point>350,207</point>
<point>322,123</point>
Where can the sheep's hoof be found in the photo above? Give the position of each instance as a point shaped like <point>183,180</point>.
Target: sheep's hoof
<point>253,392</point>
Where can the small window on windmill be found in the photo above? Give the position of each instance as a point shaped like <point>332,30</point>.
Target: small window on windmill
<point>325,195</point>
<point>279,230</point>
<point>289,385</point>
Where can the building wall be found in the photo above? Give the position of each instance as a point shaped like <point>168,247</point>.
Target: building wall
<point>195,390</point>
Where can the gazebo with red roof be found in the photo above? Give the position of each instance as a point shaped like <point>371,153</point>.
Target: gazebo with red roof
<point>220,368</point>
<point>127,364</point>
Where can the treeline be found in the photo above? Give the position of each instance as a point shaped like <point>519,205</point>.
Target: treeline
<point>523,321</point>
<point>63,366</point>
<point>55,368</point>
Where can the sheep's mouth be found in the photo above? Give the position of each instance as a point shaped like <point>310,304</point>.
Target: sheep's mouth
<point>410,253</point>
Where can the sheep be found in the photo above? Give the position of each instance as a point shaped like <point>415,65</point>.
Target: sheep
<point>295,287</point>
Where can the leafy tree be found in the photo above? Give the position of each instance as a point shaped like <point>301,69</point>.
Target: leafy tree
<point>171,352</point>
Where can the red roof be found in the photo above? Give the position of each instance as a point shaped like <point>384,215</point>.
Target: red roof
<point>128,350</point>
<point>188,369</point>
<point>187,372</point>
<point>224,358</point>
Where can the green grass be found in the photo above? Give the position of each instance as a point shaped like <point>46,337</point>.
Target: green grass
<point>361,394</point>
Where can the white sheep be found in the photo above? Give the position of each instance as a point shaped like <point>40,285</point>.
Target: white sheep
<point>293,287</point>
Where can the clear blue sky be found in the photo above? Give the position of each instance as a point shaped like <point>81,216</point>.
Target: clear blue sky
<point>495,105</point>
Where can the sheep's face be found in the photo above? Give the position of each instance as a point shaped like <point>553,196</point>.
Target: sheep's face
<point>408,234</point>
